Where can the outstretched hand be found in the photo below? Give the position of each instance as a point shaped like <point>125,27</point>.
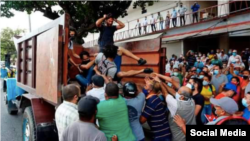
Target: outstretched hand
<point>157,79</point>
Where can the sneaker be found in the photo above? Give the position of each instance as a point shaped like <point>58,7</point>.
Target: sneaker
<point>148,70</point>
<point>142,61</point>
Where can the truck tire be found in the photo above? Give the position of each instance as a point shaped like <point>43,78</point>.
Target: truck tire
<point>11,107</point>
<point>28,127</point>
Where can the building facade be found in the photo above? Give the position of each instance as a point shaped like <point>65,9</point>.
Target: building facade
<point>220,24</point>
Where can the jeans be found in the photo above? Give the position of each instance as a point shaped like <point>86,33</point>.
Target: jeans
<point>174,22</point>
<point>195,16</point>
<point>153,27</point>
<point>182,19</point>
<point>139,29</point>
<point>84,82</point>
<point>207,110</point>
<point>161,25</point>
<point>145,29</point>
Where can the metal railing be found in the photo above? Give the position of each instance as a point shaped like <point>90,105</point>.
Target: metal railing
<point>204,14</point>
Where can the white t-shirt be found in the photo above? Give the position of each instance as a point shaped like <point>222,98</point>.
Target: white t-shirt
<point>172,104</point>
<point>233,59</point>
<point>152,20</point>
<point>98,93</point>
<point>145,22</point>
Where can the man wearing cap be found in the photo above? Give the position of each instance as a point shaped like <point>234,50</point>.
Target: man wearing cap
<point>218,78</point>
<point>84,129</point>
<point>67,113</point>
<point>229,90</point>
<point>233,58</point>
<point>135,102</point>
<point>98,88</point>
<point>224,107</point>
<point>112,115</point>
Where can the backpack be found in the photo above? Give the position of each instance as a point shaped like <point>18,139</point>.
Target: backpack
<point>104,66</point>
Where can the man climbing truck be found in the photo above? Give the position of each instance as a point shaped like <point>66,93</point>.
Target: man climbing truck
<point>42,72</point>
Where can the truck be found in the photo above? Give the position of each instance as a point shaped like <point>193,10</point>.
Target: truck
<point>42,72</point>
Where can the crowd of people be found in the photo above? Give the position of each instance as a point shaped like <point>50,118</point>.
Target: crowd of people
<point>198,89</point>
<point>171,17</point>
<point>213,75</point>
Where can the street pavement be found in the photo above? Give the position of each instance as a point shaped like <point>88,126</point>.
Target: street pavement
<point>11,125</point>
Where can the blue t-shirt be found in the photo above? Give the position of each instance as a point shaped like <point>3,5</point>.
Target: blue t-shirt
<point>246,114</point>
<point>155,114</point>
<point>135,107</point>
<point>106,35</point>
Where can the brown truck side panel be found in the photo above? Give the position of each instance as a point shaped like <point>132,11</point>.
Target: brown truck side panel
<point>49,65</point>
<point>150,50</point>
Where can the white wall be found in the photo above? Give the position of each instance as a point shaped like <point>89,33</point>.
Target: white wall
<point>173,48</point>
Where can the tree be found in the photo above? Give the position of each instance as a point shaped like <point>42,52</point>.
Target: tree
<point>83,14</point>
<point>7,43</point>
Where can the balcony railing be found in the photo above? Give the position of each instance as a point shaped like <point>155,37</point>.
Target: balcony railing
<point>206,14</point>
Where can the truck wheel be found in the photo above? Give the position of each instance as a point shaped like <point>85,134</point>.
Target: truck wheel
<point>28,128</point>
<point>11,107</point>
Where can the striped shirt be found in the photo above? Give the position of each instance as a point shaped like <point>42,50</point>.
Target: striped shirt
<point>154,112</point>
<point>65,115</point>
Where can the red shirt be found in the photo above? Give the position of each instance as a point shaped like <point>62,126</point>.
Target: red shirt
<point>219,96</point>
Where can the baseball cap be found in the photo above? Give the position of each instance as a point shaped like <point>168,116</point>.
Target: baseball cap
<point>230,86</point>
<point>226,103</point>
<point>88,105</point>
<point>98,80</point>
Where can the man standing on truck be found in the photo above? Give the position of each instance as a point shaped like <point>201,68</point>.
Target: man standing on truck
<point>108,69</point>
<point>67,112</point>
<point>107,33</point>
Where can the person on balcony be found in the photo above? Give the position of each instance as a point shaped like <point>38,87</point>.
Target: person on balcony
<point>138,25</point>
<point>160,21</point>
<point>145,24</point>
<point>167,21</point>
<point>152,23</point>
<point>182,12</point>
<point>195,8</point>
<point>174,17</point>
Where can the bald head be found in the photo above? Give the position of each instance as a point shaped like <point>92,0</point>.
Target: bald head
<point>185,92</point>
<point>69,91</point>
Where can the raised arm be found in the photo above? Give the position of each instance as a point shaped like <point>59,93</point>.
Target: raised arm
<point>87,66</point>
<point>99,21</point>
<point>163,89</point>
<point>232,70</point>
<point>187,54</point>
<point>97,71</point>
<point>183,70</point>
<point>120,24</point>
<point>169,89</point>
<point>169,79</point>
